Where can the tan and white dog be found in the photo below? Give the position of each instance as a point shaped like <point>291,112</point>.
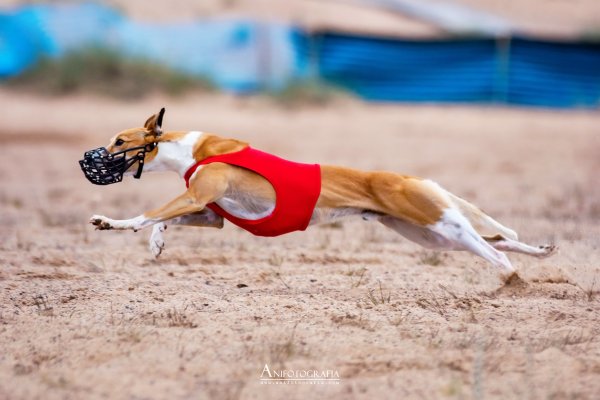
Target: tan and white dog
<point>419,209</point>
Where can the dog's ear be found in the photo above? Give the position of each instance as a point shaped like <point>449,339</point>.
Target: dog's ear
<point>154,123</point>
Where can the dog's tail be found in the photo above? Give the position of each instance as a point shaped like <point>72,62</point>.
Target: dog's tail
<point>483,223</point>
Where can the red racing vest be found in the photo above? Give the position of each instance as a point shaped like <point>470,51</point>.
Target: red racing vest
<point>297,188</point>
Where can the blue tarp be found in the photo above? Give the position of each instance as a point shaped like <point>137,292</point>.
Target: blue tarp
<point>21,42</point>
<point>245,56</point>
<point>32,32</point>
<point>393,70</point>
<point>554,74</point>
<point>515,71</point>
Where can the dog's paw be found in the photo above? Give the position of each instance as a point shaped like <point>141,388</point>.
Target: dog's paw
<point>100,222</point>
<point>547,250</point>
<point>156,243</point>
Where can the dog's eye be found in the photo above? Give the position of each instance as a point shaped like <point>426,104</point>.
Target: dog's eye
<point>119,142</point>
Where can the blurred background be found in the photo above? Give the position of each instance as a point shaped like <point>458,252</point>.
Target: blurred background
<point>531,53</point>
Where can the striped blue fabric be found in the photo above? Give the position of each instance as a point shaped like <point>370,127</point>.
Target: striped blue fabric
<point>516,71</point>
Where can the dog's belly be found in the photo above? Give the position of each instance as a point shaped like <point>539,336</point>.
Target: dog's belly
<point>327,215</point>
<point>245,206</point>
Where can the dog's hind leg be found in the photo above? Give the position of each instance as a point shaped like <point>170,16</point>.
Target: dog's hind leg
<point>452,232</point>
<point>500,242</point>
<point>458,230</point>
<point>483,223</point>
<point>205,218</point>
<point>424,203</point>
<point>418,234</point>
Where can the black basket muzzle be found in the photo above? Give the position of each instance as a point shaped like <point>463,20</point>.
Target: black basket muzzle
<point>103,168</point>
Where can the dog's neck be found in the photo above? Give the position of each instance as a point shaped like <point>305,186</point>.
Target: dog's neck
<point>174,155</point>
<point>178,151</point>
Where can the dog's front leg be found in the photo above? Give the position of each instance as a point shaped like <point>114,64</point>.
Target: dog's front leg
<point>156,243</point>
<point>184,204</point>
<point>208,186</point>
<point>104,223</point>
<point>205,218</point>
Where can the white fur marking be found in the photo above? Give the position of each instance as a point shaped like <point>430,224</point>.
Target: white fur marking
<point>506,244</point>
<point>175,156</point>
<point>457,229</point>
<point>156,242</point>
<point>424,236</point>
<point>135,224</point>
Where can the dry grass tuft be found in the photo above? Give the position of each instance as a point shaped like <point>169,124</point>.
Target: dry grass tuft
<point>355,321</point>
<point>379,297</point>
<point>41,302</point>
<point>357,276</point>
<point>276,260</point>
<point>433,258</point>
<point>179,318</point>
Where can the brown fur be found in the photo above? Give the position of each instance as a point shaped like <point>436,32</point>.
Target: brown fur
<point>211,145</point>
<point>134,137</point>
<point>404,197</point>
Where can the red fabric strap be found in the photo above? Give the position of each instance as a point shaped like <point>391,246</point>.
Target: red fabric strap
<point>297,188</point>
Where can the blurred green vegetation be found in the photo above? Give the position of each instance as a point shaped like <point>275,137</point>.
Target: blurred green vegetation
<point>591,35</point>
<point>107,73</point>
<point>309,92</point>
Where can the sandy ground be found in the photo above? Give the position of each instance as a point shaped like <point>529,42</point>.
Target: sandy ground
<point>89,314</point>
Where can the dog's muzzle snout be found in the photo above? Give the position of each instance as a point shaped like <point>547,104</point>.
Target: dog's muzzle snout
<point>103,168</point>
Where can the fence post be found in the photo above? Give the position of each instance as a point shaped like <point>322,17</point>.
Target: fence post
<point>502,75</point>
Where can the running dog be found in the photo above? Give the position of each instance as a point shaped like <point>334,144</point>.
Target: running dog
<point>269,196</point>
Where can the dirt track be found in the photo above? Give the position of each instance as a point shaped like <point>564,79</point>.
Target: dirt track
<point>88,314</point>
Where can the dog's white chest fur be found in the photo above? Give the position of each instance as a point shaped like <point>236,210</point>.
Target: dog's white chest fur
<point>175,156</point>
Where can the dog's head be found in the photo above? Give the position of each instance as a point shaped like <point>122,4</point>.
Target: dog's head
<point>126,153</point>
